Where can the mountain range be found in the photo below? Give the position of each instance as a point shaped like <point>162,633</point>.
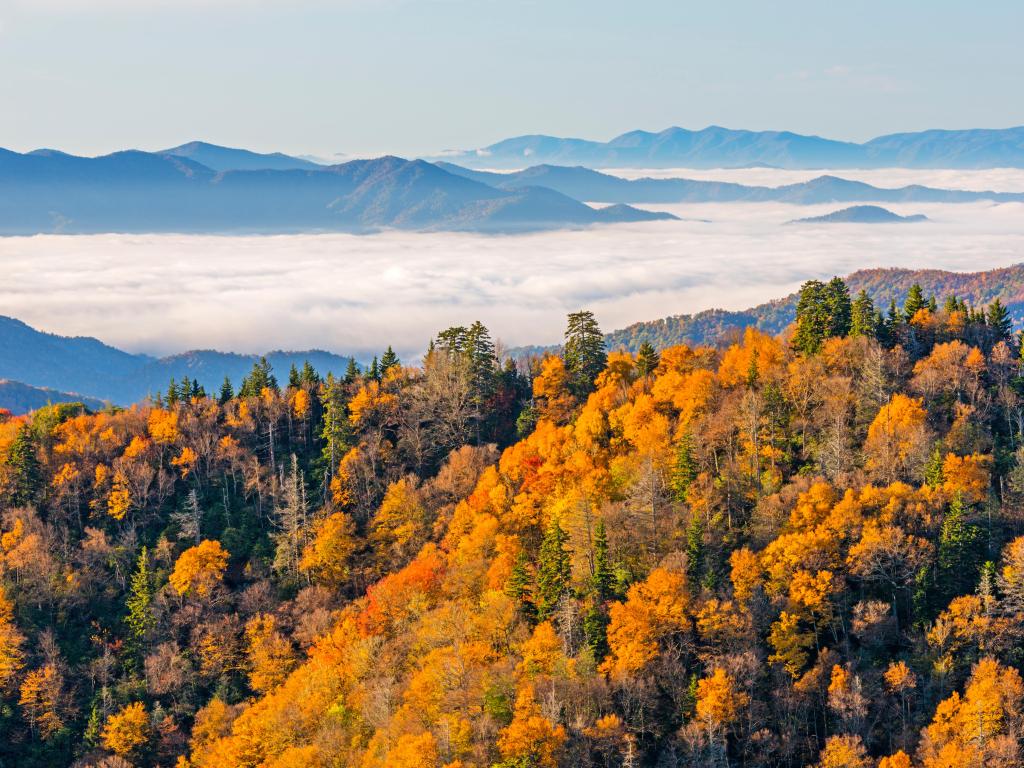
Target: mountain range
<point>83,367</point>
<point>862,214</point>
<point>717,147</point>
<point>586,184</point>
<point>47,191</point>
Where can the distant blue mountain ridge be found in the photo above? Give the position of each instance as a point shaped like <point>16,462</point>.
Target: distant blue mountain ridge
<point>717,147</point>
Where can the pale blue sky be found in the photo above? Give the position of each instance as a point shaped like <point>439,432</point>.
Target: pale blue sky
<point>415,76</point>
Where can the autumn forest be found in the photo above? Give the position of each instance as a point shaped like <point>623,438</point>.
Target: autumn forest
<point>794,550</point>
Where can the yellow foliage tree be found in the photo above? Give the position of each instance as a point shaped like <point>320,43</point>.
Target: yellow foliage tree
<point>530,735</point>
<point>326,557</point>
<point>199,569</point>
<point>126,731</point>
<point>11,642</point>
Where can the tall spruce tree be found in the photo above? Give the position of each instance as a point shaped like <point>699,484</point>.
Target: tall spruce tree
<point>647,359</point>
<point>914,303</point>
<point>997,317</point>
<point>585,355</point>
<point>553,570</point>
<point>389,360</point>
<point>24,468</point>
<point>863,317</point>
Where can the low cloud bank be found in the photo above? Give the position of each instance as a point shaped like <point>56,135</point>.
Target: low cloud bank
<point>356,295</point>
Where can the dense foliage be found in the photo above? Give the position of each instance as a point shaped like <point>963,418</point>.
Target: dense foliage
<point>790,551</point>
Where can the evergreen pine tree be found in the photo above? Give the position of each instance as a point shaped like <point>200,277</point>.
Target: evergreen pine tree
<point>553,570</point>
<point>374,372</point>
<point>684,470</point>
<point>811,322</point>
<point>309,377</point>
<point>584,355</point>
<point>260,377</point>
<point>998,319</point>
<point>914,303</point>
<point>646,360</point>
<point>293,377</point>
<point>863,320</point>
<point>24,468</point>
<point>351,371</point>
<point>604,576</point>
<point>519,585</point>
<point>226,392</point>
<point>389,360</point>
<point>836,297</point>
<point>958,556</point>
<point>172,393</point>
<point>595,630</point>
<point>140,619</point>
<point>337,430</point>
<point>933,475</point>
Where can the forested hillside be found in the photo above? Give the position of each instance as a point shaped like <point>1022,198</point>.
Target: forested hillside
<point>884,286</point>
<point>798,549</point>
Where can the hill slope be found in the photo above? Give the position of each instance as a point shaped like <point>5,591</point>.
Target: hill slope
<point>102,372</point>
<point>21,398</point>
<point>883,285</point>
<point>717,147</point>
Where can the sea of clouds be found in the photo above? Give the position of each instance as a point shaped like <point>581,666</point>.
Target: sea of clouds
<point>357,294</point>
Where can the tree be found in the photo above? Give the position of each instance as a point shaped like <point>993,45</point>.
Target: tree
<point>260,377</point>
<point>646,360</point>
<point>140,618</point>
<point>127,731</point>
<point>838,308</point>
<point>41,698</point>
<point>351,371</point>
<point>914,303</point>
<point>553,570</point>
<point>959,555</point>
<point>584,354</point>
<point>604,576</point>
<point>719,702</point>
<point>863,320</point>
<point>11,642</point>
<point>24,466</point>
<point>226,392</point>
<point>199,569</point>
<point>997,317</point>
<point>389,360</point>
<point>327,556</point>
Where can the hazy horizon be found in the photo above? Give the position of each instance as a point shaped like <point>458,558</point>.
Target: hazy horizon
<point>352,77</point>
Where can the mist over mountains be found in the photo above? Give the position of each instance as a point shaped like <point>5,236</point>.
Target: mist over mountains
<point>37,367</point>
<point>717,147</point>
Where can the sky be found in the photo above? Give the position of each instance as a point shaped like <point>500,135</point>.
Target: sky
<point>361,77</point>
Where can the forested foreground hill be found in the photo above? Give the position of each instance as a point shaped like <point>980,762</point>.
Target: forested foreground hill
<point>885,286</point>
<point>792,551</point>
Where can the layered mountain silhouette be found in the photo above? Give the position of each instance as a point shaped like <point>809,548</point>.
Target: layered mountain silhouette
<point>862,214</point>
<point>48,191</point>
<point>230,159</point>
<point>81,367</point>
<point>717,147</point>
<point>593,186</point>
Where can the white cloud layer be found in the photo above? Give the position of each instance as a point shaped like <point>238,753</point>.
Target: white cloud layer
<point>352,294</point>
